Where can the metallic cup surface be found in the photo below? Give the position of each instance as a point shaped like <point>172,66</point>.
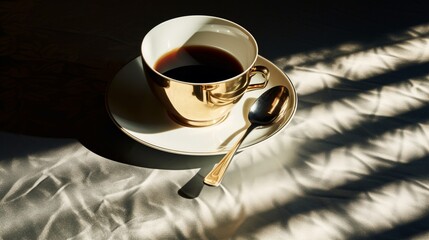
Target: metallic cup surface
<point>201,104</point>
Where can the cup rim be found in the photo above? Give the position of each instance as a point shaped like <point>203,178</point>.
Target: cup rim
<point>210,17</point>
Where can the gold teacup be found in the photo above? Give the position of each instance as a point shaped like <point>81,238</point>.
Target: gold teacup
<point>196,96</point>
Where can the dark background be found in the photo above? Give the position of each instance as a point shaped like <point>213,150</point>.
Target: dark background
<point>57,57</point>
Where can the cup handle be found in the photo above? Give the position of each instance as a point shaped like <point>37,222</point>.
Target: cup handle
<point>265,74</point>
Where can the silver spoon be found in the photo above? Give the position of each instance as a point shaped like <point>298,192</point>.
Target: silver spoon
<point>264,111</point>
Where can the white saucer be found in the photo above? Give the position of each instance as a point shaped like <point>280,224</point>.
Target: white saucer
<point>138,114</point>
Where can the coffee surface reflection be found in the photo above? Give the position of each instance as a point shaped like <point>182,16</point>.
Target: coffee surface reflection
<point>198,64</point>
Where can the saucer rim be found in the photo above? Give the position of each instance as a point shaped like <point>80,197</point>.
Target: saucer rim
<point>205,153</point>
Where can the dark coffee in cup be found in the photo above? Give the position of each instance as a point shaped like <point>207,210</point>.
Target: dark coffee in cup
<point>198,64</point>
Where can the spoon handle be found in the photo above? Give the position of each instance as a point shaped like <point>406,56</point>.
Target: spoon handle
<point>215,176</point>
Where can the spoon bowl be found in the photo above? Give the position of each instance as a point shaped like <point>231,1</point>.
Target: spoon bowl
<point>267,108</point>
